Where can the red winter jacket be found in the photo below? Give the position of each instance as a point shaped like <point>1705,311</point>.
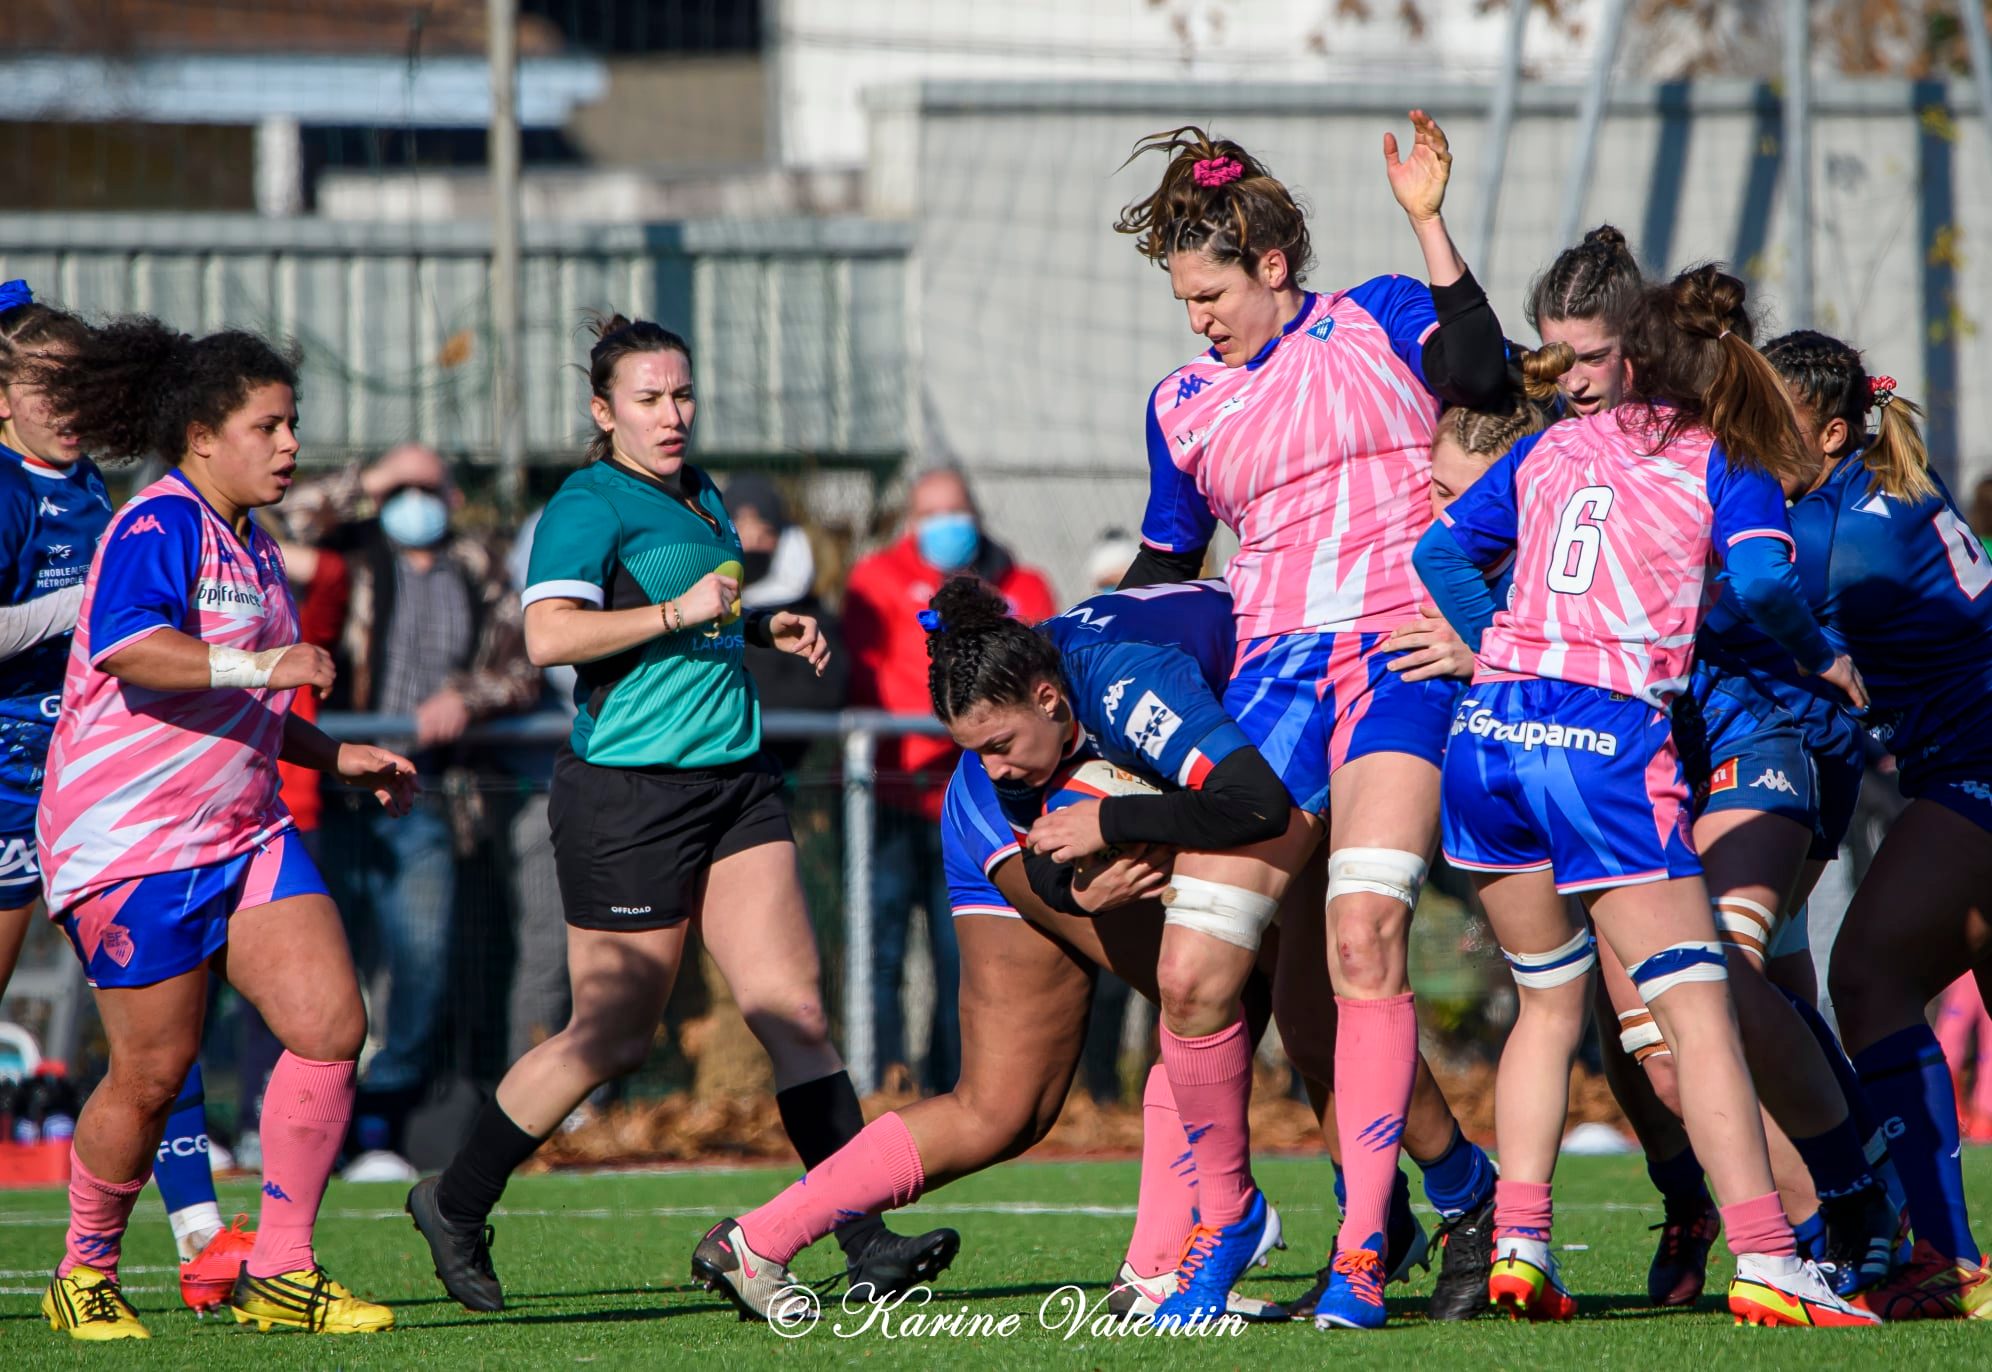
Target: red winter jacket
<point>882,602</point>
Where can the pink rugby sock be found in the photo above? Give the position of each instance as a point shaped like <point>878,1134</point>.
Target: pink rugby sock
<point>1376,1060</point>
<point>1521,1210</point>
<point>306,1109</point>
<point>1211,1079</point>
<point>1759,1226</point>
<point>1162,1215</point>
<point>878,1170</point>
<point>98,1213</point>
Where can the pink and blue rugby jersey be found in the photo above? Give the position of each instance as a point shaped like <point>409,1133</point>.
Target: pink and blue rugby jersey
<point>1317,452</point>
<point>141,782</point>
<point>1614,546</point>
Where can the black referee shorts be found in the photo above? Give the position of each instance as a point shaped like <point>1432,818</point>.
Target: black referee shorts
<point>631,844</point>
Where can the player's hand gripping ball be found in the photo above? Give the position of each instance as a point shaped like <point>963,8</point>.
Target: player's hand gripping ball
<point>1069,829</point>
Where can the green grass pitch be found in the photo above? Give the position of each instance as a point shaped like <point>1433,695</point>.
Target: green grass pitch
<point>596,1272</point>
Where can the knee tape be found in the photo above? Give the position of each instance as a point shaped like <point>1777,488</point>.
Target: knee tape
<point>1672,966</point>
<point>1230,913</point>
<point>1745,924</point>
<point>1386,871</point>
<point>1557,967</point>
<point>1640,1036</point>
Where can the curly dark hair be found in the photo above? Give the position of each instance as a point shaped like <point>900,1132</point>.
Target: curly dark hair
<point>977,653</point>
<point>134,387</point>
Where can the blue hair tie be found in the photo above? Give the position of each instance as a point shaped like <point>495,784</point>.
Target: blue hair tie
<point>14,293</point>
<point>930,620</point>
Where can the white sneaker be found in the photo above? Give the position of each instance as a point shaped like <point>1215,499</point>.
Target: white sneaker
<point>1770,1290</point>
<point>1135,1297</point>
<point>380,1165</point>
<point>219,1158</point>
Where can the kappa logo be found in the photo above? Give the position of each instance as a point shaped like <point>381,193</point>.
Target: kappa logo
<point>1723,778</point>
<point>144,524</point>
<point>61,550</point>
<point>1151,724</point>
<point>1112,699</point>
<point>1774,780</point>
<point>1188,386</point>
<point>48,507</point>
<point>1977,790</point>
<point>17,859</point>
<point>1322,330</point>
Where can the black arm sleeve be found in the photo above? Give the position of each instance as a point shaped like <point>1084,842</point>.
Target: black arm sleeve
<point>1153,567</point>
<point>1242,801</point>
<point>756,630</point>
<point>1466,358</point>
<point>1051,882</point>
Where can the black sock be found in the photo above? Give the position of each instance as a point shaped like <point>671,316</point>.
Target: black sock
<point>822,1116</point>
<point>470,1186</point>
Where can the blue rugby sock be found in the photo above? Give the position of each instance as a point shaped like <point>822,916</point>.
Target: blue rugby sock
<point>1679,1179</point>
<point>182,1169</point>
<point>1835,1160</point>
<point>1459,1179</point>
<point>1811,1236</point>
<point>1908,1083</point>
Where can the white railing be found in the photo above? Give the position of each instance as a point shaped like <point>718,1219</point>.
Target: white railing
<point>859,730</point>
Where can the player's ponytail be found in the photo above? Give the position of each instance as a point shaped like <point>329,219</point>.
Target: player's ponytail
<point>1828,377</point>
<point>617,337</point>
<point>1217,199</point>
<point>978,654</point>
<point>1487,434</point>
<point>134,387</point>
<point>1693,365</point>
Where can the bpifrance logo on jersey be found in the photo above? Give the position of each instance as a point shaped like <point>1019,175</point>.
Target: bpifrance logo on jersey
<point>144,524</point>
<point>1534,733</point>
<point>226,597</point>
<point>1723,778</point>
<point>1151,724</point>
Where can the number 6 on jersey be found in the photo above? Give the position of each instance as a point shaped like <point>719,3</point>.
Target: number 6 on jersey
<point>1579,536</point>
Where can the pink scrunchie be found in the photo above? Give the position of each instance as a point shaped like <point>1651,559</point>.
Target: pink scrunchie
<point>1218,171</point>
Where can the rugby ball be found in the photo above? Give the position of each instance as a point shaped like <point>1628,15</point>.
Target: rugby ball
<point>1093,778</point>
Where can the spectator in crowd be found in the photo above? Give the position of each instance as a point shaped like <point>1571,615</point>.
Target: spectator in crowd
<point>781,575</point>
<point>539,1001</point>
<point>942,537</point>
<point>434,631</point>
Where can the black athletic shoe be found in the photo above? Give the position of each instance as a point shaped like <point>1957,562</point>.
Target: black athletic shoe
<point>462,1253</point>
<point>1860,1239</point>
<point>893,1263</point>
<point>1466,1254</point>
<point>1680,1262</point>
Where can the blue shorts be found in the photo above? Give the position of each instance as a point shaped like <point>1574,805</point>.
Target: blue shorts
<point>1743,749</point>
<point>1577,780</point>
<point>149,929</point>
<point>1968,795</point>
<point>1311,702</point>
<point>20,869</point>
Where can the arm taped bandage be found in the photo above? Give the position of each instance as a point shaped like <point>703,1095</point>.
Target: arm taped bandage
<point>233,667</point>
<point>1385,871</point>
<point>1229,913</point>
<point>1557,967</point>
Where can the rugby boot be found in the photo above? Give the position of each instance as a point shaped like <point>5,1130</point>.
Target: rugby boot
<point>1789,1291</point>
<point>1523,1283</point>
<point>89,1305</point>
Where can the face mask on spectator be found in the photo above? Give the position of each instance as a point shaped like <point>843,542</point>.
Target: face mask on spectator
<point>948,542</point>
<point>415,518</point>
